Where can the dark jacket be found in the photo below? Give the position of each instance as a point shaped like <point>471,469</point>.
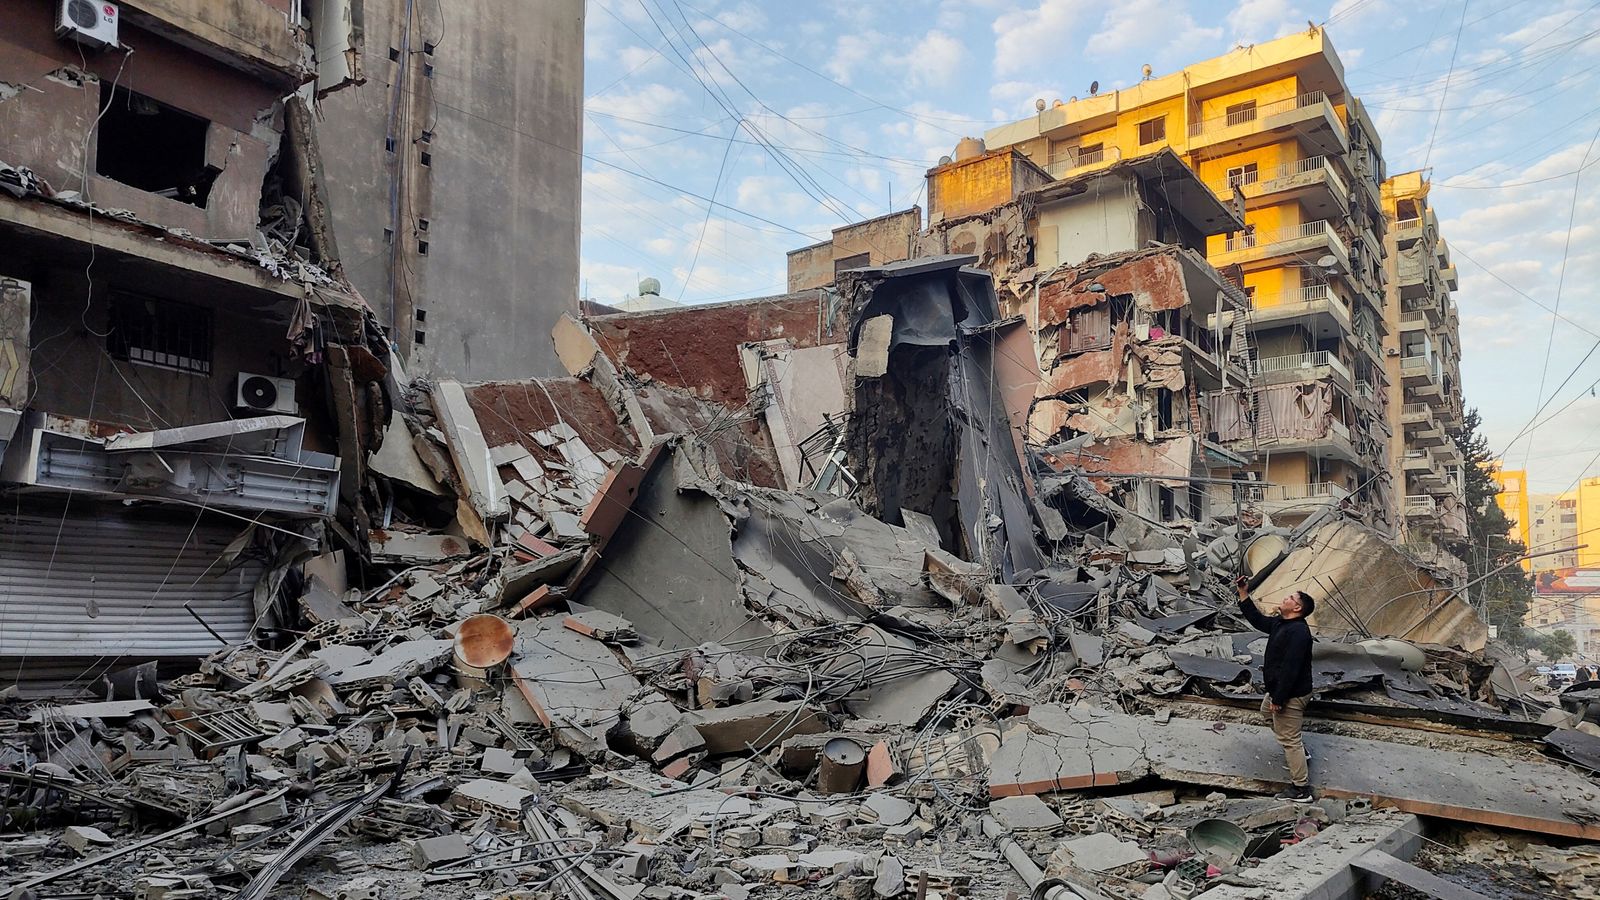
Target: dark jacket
<point>1287,668</point>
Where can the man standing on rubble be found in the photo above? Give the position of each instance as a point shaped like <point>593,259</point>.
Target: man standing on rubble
<point>1287,674</point>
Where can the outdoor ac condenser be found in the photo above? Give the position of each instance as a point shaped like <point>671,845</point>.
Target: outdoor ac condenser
<point>263,394</point>
<point>91,22</point>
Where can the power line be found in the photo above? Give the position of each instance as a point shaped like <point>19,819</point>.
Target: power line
<point>1561,282</point>
<point>1454,51</point>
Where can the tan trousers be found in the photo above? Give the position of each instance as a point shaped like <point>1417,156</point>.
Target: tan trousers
<point>1286,728</point>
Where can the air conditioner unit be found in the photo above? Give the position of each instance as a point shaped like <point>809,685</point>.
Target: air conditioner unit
<point>91,22</point>
<point>263,394</point>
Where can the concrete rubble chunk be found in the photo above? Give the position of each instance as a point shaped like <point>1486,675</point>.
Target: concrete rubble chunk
<point>763,723</point>
<point>1025,813</point>
<point>437,851</point>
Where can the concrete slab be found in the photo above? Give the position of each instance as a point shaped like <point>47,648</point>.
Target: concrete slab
<point>1319,868</point>
<point>1081,747</point>
<point>763,723</point>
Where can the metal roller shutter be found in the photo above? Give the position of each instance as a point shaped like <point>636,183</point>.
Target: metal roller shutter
<point>116,583</point>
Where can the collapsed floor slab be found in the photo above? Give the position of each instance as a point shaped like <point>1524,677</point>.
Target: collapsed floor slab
<point>1082,747</point>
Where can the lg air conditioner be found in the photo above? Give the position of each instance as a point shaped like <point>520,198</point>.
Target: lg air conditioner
<point>90,22</point>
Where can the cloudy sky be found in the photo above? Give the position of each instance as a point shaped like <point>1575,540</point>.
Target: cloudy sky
<point>720,134</point>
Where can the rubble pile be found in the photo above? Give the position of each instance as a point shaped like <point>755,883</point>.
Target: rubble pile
<point>592,665</point>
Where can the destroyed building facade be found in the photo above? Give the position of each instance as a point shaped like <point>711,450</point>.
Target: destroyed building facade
<point>453,175</point>
<point>185,388</point>
<point>1423,355</point>
<point>1274,129</point>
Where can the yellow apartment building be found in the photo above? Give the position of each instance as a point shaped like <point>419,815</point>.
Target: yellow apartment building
<point>1422,350</point>
<point>1588,533</point>
<point>1273,129</point>
<point>1554,527</point>
<point>1514,501</point>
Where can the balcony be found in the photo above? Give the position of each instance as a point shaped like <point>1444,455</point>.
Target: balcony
<point>1407,231</point>
<point>1423,470</point>
<point>1413,321</point>
<point>1311,115</point>
<point>1314,181</point>
<point>1299,499</point>
<point>1448,277</point>
<point>1302,367</point>
<point>1421,374</point>
<point>1311,305</point>
<point>1418,414</point>
<point>1426,305</point>
<point>1312,239</point>
<point>1072,162</point>
<point>1421,506</point>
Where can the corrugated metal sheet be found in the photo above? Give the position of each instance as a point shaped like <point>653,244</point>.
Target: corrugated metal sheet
<point>116,583</point>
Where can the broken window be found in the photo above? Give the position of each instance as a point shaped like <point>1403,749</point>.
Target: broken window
<point>1240,113</point>
<point>860,260</point>
<point>160,333</point>
<point>149,145</point>
<point>1163,409</point>
<point>1168,503</point>
<point>1153,130</point>
<point>1238,176</point>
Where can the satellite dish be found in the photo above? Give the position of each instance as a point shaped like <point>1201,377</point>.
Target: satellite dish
<point>1038,105</point>
<point>1148,71</point>
<point>484,640</point>
<point>1328,261</point>
<point>1094,88</point>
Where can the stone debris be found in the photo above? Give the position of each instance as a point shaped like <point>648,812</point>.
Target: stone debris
<point>609,668</point>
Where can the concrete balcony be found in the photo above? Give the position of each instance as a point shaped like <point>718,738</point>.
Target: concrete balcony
<point>1408,231</point>
<point>1421,375</point>
<point>1310,115</point>
<point>1425,436</point>
<point>1418,414</point>
<point>1314,305</point>
<point>1420,467</point>
<point>1426,305</point>
<point>1449,278</point>
<point>1299,499</point>
<point>1413,321</point>
<point>1421,506</point>
<point>1310,241</point>
<point>1073,163</point>
<point>1303,367</point>
<point>1313,181</point>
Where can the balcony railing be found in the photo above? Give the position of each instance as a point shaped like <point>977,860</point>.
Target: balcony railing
<point>1241,117</point>
<point>1421,505</point>
<point>1246,239</point>
<point>1314,490</point>
<point>1071,160</point>
<point>1293,361</point>
<point>1270,179</point>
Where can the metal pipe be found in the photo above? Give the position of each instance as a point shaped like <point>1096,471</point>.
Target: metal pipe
<point>1042,888</point>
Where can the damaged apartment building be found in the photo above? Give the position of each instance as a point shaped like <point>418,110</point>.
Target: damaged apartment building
<point>1322,307</point>
<point>187,386</point>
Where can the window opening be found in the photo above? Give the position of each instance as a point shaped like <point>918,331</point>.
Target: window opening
<point>146,144</point>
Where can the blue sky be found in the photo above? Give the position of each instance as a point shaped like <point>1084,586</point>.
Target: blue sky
<point>798,117</point>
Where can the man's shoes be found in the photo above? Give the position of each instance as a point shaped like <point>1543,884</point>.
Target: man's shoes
<point>1296,794</point>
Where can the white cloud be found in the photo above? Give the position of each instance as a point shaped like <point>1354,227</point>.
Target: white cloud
<point>1015,99</point>
<point>1024,37</point>
<point>1153,26</point>
<point>933,61</point>
<point>1255,21</point>
<point>850,51</point>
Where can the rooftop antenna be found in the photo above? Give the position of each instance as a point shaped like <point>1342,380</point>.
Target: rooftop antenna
<point>1094,88</point>
<point>1148,72</point>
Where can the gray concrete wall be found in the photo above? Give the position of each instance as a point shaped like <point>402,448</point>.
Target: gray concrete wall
<point>500,193</point>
